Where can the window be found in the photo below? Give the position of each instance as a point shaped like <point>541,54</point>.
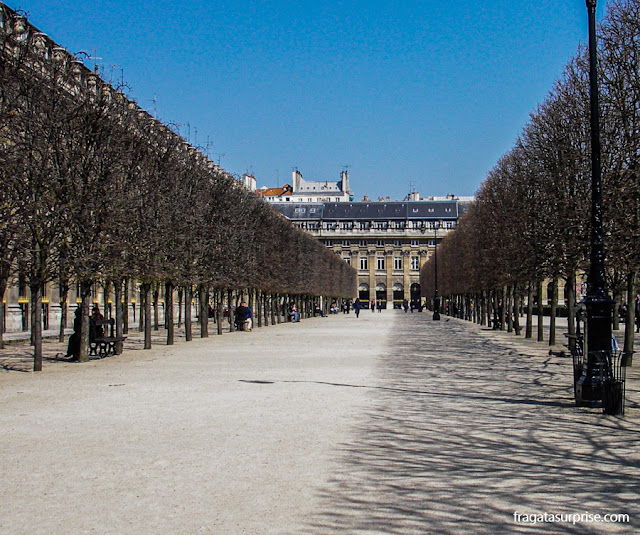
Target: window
<point>380,262</point>
<point>328,243</point>
<point>397,262</point>
<point>347,259</point>
<point>345,243</point>
<point>397,243</point>
<point>363,263</point>
<point>379,243</point>
<point>415,243</point>
<point>415,263</point>
<point>362,243</point>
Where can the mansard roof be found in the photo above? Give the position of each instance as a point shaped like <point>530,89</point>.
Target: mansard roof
<point>354,211</point>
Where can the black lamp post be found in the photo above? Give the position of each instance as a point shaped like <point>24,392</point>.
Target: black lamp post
<point>436,298</point>
<point>598,304</point>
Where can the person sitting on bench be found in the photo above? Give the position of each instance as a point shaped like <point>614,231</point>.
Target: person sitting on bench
<point>95,331</point>
<point>244,317</point>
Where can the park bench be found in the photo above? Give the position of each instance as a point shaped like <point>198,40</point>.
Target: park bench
<point>104,346</point>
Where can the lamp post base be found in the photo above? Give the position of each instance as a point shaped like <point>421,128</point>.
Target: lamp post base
<point>589,391</point>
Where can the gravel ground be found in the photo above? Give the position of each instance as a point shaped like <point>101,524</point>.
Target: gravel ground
<point>389,423</point>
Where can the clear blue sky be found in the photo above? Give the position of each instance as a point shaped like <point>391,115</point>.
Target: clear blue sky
<point>428,92</point>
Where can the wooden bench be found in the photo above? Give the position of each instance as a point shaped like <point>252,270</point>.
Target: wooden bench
<point>104,346</point>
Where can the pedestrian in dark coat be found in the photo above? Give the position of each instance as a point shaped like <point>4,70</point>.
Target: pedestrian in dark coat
<point>356,307</point>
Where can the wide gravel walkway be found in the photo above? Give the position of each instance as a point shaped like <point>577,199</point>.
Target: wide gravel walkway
<point>390,423</point>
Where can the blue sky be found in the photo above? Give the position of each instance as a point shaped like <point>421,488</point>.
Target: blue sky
<point>430,93</point>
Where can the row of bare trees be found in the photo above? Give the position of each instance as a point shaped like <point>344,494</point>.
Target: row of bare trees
<point>531,217</point>
<point>94,188</point>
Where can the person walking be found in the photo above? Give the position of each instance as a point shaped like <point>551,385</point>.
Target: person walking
<point>638,313</point>
<point>356,307</point>
<point>373,305</point>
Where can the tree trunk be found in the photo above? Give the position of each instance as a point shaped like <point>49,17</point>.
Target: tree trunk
<point>528,330</point>
<point>232,323</point>
<point>483,308</point>
<point>554,310</point>
<point>168,312</point>
<point>180,294</point>
<point>156,316</point>
<point>141,310</point>
<point>125,310</point>
<point>517,299</point>
<point>251,302</point>
<point>258,308</point>
<point>64,309</point>
<point>265,304</point>
<point>146,289</point>
<point>630,318</point>
<point>188,296</point>
<point>32,320</point>
<point>120,306</point>
<point>85,307</point>
<point>2,314</point>
<point>219,312</point>
<point>617,298</point>
<point>203,295</point>
<point>106,311</point>
<point>570,285</point>
<point>36,325</point>
<point>540,314</point>
<point>509,292</point>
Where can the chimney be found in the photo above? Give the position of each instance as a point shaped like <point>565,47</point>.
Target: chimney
<point>296,179</point>
<point>344,177</point>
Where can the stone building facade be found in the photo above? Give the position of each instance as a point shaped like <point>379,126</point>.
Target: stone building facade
<point>387,242</point>
<point>304,191</point>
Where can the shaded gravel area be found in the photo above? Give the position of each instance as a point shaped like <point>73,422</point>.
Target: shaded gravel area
<point>470,426</point>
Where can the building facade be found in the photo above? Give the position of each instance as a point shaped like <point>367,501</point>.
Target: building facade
<point>304,191</point>
<point>387,242</point>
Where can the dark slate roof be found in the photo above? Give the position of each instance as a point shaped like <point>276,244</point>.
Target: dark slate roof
<point>292,210</point>
<point>353,211</point>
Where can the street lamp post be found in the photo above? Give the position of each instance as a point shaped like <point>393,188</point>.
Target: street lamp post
<point>436,298</point>
<point>598,303</point>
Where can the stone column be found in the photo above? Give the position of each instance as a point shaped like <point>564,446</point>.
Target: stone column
<point>371,259</point>
<point>388,264</point>
<point>406,275</point>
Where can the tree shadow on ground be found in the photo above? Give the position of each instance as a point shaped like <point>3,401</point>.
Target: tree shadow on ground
<point>463,433</point>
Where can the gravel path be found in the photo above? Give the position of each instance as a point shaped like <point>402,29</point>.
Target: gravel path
<point>390,423</point>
